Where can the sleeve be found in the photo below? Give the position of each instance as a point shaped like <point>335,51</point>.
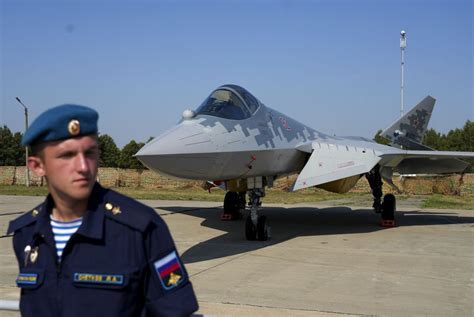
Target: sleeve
<point>168,289</point>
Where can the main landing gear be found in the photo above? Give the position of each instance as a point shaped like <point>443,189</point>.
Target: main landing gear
<point>388,207</point>
<point>256,227</point>
<point>234,205</point>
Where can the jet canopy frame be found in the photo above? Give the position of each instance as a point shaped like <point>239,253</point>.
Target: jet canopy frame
<point>229,102</point>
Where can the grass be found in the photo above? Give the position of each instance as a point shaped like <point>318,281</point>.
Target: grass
<point>195,193</point>
<point>20,190</point>
<point>279,196</point>
<point>449,202</point>
<point>172,193</point>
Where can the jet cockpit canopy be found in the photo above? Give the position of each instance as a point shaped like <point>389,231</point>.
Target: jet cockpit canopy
<point>229,102</point>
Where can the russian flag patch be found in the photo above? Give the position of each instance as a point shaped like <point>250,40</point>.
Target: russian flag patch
<point>170,271</point>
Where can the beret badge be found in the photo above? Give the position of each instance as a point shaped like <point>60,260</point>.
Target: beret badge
<point>74,127</point>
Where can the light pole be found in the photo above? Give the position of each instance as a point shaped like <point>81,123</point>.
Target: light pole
<point>403,45</point>
<point>26,148</point>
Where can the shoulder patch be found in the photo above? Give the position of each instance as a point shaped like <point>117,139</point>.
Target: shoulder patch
<point>170,272</point>
<point>128,211</point>
<point>24,220</point>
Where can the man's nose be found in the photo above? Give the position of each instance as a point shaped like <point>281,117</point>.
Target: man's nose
<point>81,162</point>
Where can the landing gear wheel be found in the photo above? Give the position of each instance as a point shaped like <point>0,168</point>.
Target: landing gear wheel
<point>250,229</point>
<point>388,207</point>
<point>232,204</point>
<point>242,201</point>
<point>262,228</point>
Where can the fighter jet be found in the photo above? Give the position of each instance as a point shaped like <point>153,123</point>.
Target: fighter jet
<point>235,140</point>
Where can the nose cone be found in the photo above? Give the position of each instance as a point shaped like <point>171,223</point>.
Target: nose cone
<point>185,151</point>
<point>170,142</point>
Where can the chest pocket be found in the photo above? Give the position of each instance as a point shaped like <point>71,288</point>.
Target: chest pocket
<point>30,278</point>
<point>102,292</point>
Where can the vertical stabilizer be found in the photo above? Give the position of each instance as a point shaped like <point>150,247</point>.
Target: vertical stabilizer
<point>408,131</point>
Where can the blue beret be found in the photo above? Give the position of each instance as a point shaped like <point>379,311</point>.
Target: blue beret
<point>60,123</point>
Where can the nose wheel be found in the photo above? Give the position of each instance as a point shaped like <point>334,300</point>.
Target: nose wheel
<point>250,230</point>
<point>257,232</point>
<point>256,227</point>
<point>262,228</point>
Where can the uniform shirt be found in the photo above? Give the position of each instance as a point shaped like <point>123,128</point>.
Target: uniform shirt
<point>122,261</point>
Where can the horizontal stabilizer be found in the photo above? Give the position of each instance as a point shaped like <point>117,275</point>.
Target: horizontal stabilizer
<point>429,166</point>
<point>426,162</point>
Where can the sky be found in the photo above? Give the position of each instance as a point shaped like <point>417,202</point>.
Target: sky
<point>332,65</point>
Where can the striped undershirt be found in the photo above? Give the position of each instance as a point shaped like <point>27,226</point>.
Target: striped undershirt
<point>62,231</point>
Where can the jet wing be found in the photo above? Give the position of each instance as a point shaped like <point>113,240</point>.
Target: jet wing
<point>330,162</point>
<point>333,162</point>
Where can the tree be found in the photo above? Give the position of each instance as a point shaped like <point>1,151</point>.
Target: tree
<point>454,140</point>
<point>127,159</point>
<point>468,141</point>
<point>109,152</point>
<point>19,151</point>
<point>11,151</point>
<point>468,136</point>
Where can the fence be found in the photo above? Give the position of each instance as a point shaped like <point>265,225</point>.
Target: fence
<point>116,177</point>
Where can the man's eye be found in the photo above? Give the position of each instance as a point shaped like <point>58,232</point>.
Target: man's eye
<point>66,155</point>
<point>91,153</point>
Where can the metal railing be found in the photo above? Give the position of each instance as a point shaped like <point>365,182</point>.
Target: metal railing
<point>9,305</point>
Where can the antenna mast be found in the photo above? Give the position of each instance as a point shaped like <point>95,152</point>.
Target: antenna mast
<point>403,45</point>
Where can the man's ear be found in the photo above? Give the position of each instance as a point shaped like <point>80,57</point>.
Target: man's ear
<point>35,164</point>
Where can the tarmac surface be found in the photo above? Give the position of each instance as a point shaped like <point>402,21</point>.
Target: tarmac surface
<point>321,260</point>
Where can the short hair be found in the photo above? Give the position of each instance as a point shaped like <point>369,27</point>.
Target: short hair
<point>37,149</point>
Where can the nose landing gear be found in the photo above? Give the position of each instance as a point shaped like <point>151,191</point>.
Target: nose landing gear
<point>256,227</point>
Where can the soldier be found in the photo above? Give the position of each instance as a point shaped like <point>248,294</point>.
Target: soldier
<point>87,250</point>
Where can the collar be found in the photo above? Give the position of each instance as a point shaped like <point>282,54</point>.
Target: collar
<point>92,221</point>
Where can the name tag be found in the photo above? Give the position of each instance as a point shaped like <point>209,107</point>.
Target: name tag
<point>27,279</point>
<point>90,278</point>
